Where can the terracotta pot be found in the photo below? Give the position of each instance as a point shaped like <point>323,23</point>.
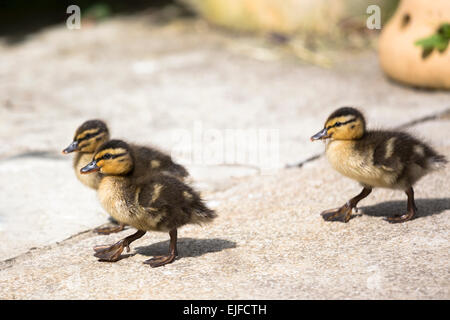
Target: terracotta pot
<point>401,59</point>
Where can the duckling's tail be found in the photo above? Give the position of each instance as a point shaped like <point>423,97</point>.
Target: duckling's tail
<point>201,213</point>
<point>438,162</point>
<point>179,170</point>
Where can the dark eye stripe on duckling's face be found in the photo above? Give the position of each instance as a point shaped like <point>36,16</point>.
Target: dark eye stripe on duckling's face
<point>89,140</point>
<point>110,153</point>
<point>339,123</point>
<point>114,161</point>
<point>346,127</point>
<point>86,134</point>
<point>109,156</point>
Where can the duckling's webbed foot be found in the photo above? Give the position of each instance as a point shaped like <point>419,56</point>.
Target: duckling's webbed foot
<point>412,209</point>
<point>112,253</point>
<point>109,230</point>
<point>344,213</point>
<point>399,219</point>
<point>159,261</point>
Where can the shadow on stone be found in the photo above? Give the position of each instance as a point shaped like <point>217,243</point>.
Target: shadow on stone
<point>187,247</point>
<point>426,207</point>
<point>43,154</point>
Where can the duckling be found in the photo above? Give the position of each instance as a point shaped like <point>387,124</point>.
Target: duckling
<point>374,158</point>
<point>152,202</point>
<point>88,137</point>
<point>91,135</point>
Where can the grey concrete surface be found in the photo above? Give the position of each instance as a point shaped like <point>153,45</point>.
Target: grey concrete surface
<point>269,242</point>
<point>149,82</point>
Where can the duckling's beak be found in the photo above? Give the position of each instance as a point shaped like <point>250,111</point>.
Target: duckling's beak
<point>322,134</point>
<point>90,167</point>
<point>71,148</point>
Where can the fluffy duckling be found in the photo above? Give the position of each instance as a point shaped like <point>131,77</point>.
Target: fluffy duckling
<point>384,159</point>
<point>91,135</point>
<point>88,137</point>
<point>154,202</point>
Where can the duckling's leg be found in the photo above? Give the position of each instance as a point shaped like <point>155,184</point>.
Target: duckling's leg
<point>412,209</point>
<point>112,253</point>
<point>344,213</point>
<point>162,260</point>
<point>108,230</point>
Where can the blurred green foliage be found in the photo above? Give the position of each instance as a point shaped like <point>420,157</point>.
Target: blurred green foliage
<point>98,11</point>
<point>438,41</point>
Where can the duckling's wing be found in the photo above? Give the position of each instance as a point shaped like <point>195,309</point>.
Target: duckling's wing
<point>160,190</point>
<point>397,150</point>
<point>385,161</point>
<point>151,195</point>
<point>169,203</point>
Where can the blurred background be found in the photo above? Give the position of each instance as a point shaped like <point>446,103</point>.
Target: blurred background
<point>152,69</point>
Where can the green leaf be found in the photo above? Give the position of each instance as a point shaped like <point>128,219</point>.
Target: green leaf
<point>442,46</point>
<point>98,11</point>
<point>444,30</point>
<point>438,41</point>
<point>431,41</point>
<point>426,52</point>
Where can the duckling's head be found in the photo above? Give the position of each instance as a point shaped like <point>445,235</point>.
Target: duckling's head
<point>88,137</point>
<point>345,123</point>
<point>111,158</point>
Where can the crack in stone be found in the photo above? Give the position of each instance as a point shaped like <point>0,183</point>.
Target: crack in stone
<point>438,116</point>
<point>8,263</point>
<point>42,154</point>
<point>300,164</point>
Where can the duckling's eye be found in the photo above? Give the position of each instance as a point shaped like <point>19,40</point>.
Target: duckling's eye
<point>107,156</point>
<point>338,124</point>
